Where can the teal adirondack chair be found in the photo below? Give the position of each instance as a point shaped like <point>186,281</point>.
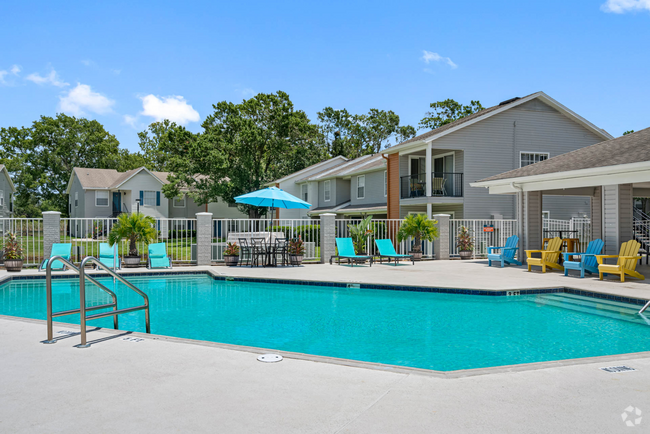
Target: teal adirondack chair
<point>587,261</point>
<point>108,256</point>
<point>387,250</point>
<point>158,256</point>
<point>507,253</point>
<point>346,251</point>
<point>58,249</point>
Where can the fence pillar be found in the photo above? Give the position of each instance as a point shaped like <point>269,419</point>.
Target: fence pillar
<point>327,237</point>
<point>51,231</point>
<point>204,238</point>
<point>441,245</point>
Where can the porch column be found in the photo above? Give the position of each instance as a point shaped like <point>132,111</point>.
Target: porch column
<point>617,216</point>
<point>441,245</point>
<point>428,173</point>
<point>597,214</point>
<point>532,220</point>
<point>204,238</point>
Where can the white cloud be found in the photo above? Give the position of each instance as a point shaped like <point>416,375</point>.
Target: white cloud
<point>82,99</point>
<point>51,78</point>
<point>88,62</point>
<point>174,108</point>
<point>429,57</point>
<point>622,6</point>
<point>130,120</point>
<point>2,77</point>
<point>15,69</point>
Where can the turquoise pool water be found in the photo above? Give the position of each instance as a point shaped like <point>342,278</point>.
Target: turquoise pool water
<point>423,330</point>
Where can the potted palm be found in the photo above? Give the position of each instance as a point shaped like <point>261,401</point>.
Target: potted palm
<point>296,251</point>
<point>420,228</point>
<point>464,243</point>
<point>360,234</point>
<point>13,253</point>
<point>231,254</point>
<point>135,228</point>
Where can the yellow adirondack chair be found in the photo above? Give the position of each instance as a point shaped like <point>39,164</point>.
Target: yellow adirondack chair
<point>626,264</point>
<point>549,257</point>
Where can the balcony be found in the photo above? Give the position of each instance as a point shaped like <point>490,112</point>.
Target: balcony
<point>443,184</point>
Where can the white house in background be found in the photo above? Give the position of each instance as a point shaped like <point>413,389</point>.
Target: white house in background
<point>7,191</point>
<point>102,193</point>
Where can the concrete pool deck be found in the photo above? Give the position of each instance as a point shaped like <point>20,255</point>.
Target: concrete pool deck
<point>171,385</point>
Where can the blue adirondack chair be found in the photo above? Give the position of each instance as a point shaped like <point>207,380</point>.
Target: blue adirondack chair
<point>587,261</point>
<point>507,253</point>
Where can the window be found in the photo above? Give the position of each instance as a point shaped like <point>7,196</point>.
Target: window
<point>303,193</point>
<point>528,158</point>
<point>2,199</point>
<point>327,193</point>
<point>149,198</point>
<point>76,199</point>
<point>101,198</point>
<point>179,202</point>
<point>385,183</point>
<point>546,215</point>
<point>361,186</point>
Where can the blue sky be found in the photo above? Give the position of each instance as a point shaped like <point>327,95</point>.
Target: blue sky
<point>127,64</point>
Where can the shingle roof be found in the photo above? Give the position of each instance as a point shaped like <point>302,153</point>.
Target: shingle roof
<point>364,163</point>
<point>631,148</point>
<point>109,178</point>
<point>460,121</point>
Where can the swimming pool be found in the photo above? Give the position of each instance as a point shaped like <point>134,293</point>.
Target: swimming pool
<point>436,331</point>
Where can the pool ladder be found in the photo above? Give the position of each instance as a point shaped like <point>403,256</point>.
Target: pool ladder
<point>647,305</point>
<point>82,298</point>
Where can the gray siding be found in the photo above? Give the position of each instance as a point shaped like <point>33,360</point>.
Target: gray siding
<point>374,191</point>
<point>5,187</point>
<point>566,207</point>
<point>617,215</point>
<point>91,210</point>
<point>597,214</point>
<point>78,211</point>
<point>532,230</point>
<point>342,190</point>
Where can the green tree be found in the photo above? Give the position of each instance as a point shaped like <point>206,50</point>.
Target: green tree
<point>152,141</point>
<point>41,158</point>
<point>448,111</point>
<point>355,135</point>
<point>242,147</point>
<point>628,132</point>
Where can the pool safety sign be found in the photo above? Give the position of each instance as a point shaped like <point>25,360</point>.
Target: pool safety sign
<point>488,228</point>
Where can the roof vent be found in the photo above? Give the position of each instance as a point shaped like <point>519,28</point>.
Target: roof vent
<point>508,101</point>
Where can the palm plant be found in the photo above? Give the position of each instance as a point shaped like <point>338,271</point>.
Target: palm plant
<point>464,240</point>
<point>360,233</point>
<point>419,227</point>
<point>133,227</point>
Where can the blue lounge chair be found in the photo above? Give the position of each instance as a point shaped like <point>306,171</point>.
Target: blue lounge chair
<point>108,256</point>
<point>587,261</point>
<point>346,251</point>
<point>507,253</point>
<point>158,256</point>
<point>387,250</point>
<point>58,249</point>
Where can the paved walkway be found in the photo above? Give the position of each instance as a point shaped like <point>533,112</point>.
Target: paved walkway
<point>159,385</point>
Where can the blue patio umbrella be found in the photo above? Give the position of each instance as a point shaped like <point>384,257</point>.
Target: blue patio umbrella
<point>272,197</point>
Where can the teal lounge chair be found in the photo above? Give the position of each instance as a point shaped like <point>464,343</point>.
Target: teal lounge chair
<point>346,251</point>
<point>507,253</point>
<point>158,256</point>
<point>58,249</point>
<point>587,261</point>
<point>387,250</point>
<point>108,256</point>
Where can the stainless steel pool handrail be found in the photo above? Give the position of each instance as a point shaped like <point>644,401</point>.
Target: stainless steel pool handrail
<point>647,305</point>
<point>82,298</point>
<point>116,312</point>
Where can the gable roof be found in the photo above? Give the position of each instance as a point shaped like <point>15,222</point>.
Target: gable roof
<point>339,159</point>
<point>628,149</point>
<point>3,168</point>
<point>103,179</point>
<point>365,163</point>
<point>491,111</point>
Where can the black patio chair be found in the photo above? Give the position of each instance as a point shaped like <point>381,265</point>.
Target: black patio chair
<point>245,252</point>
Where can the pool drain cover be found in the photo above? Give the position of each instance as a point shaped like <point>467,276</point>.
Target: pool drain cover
<point>270,358</point>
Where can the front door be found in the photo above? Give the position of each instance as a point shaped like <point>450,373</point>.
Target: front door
<point>117,201</point>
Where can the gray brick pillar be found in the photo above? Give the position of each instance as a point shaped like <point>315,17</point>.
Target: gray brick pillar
<point>327,237</point>
<point>51,231</point>
<point>204,238</point>
<point>441,245</point>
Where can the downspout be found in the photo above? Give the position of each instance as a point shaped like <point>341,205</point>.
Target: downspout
<point>520,218</point>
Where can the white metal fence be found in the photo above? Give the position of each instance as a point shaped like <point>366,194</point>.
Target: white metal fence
<point>579,228</point>
<point>226,231</point>
<point>382,229</point>
<point>29,233</point>
<point>485,233</point>
<point>86,234</point>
